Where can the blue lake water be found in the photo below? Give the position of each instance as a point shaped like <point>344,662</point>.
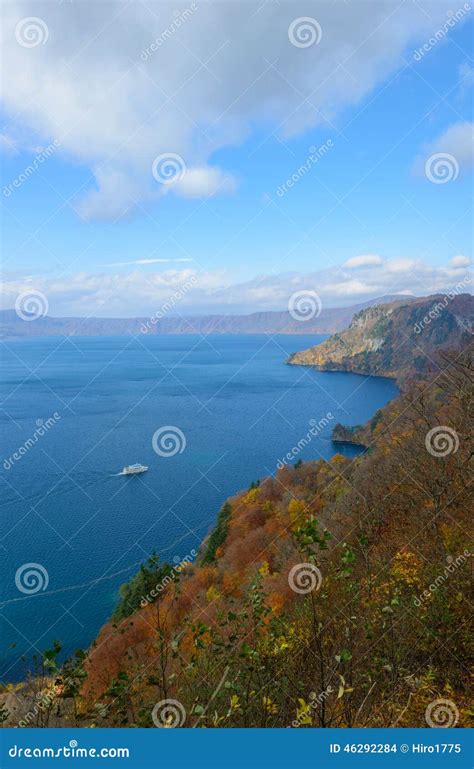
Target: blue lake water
<point>240,409</point>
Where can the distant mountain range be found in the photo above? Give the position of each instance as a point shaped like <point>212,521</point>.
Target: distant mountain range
<point>330,320</point>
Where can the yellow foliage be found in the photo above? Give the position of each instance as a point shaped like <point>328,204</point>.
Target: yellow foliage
<point>251,496</point>
<point>269,706</point>
<point>406,568</point>
<point>296,510</point>
<point>212,594</point>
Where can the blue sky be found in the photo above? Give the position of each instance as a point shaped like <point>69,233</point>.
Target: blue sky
<point>367,195</point>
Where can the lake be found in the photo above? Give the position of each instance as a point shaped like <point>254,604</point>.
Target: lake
<point>75,411</point>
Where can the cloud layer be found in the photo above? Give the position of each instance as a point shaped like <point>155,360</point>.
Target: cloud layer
<point>120,84</point>
<point>143,292</point>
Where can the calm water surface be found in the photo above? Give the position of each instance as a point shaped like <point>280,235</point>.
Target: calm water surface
<point>62,506</point>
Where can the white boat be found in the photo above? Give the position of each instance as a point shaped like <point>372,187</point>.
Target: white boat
<point>134,469</point>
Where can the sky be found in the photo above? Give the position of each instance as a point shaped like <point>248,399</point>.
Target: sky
<point>230,154</point>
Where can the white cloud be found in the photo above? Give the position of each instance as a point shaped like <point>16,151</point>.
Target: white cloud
<point>226,70</point>
<point>460,261</point>
<point>399,265</point>
<point>204,182</point>
<point>457,141</point>
<point>146,261</point>
<point>141,293</point>
<point>365,260</point>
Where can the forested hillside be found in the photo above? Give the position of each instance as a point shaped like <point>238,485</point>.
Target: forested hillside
<point>335,594</point>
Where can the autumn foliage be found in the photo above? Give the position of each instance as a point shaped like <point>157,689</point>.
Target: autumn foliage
<point>385,632</point>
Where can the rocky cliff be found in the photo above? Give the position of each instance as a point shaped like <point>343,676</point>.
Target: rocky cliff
<point>396,340</point>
